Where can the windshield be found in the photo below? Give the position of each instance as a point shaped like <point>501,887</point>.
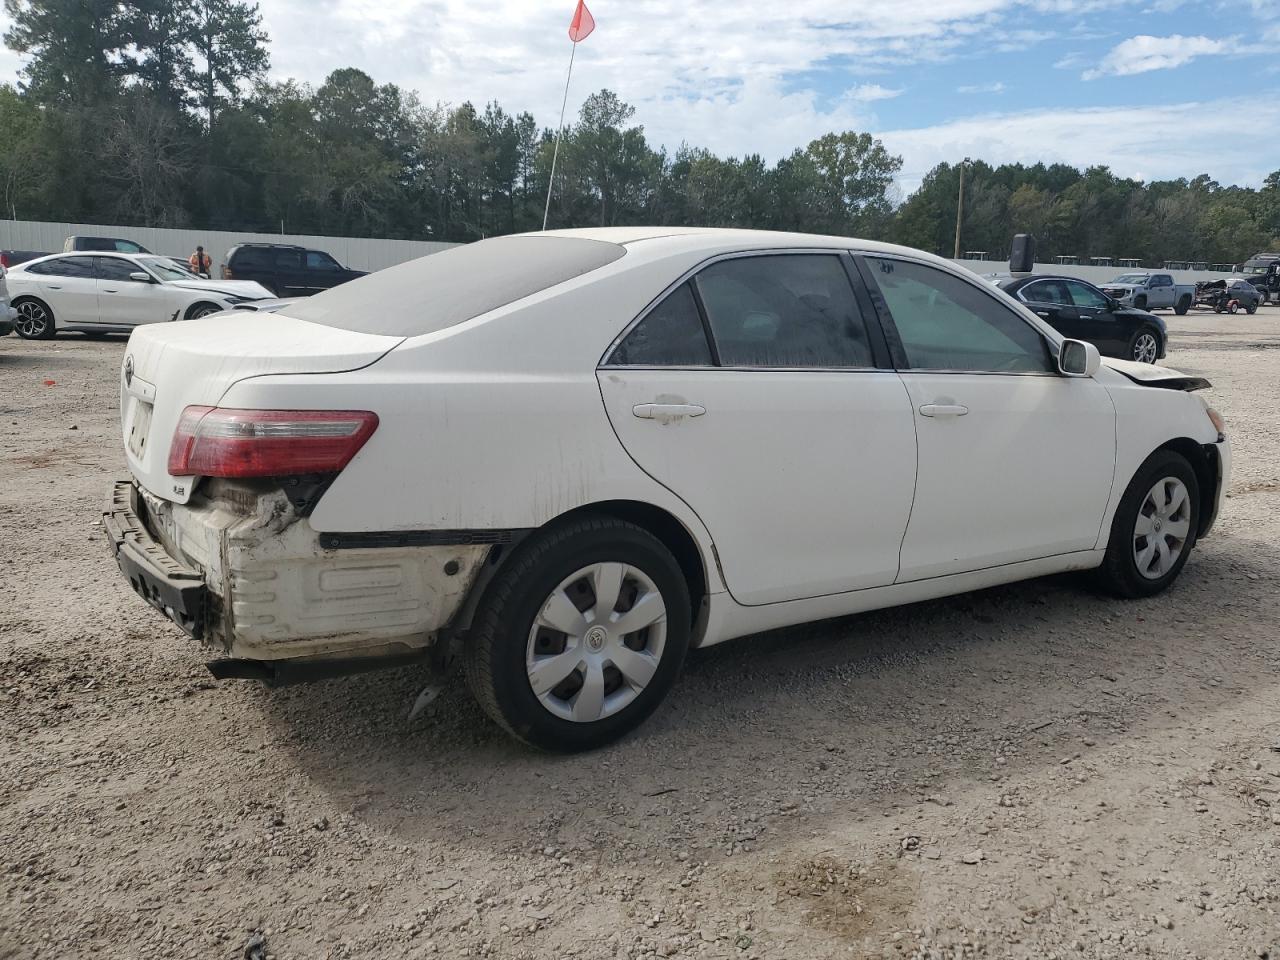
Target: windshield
<point>1130,278</point>
<point>165,269</point>
<point>444,289</point>
<point>1254,269</point>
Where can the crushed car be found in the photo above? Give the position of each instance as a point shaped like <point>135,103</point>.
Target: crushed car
<point>1229,295</point>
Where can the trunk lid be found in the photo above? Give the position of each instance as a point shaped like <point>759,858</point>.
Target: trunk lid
<point>170,366</point>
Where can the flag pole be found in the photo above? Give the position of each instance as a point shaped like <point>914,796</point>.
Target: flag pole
<point>546,211</point>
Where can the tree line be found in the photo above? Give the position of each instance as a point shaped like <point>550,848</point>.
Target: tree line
<point>160,113</point>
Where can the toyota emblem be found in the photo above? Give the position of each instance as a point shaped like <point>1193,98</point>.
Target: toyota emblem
<point>128,370</point>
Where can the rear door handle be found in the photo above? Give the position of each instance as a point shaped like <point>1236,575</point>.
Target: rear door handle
<point>667,411</point>
<point>943,410</point>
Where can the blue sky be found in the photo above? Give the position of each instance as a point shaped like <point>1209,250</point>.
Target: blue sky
<point>1152,88</point>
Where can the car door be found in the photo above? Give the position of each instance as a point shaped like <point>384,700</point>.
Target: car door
<point>1099,323</point>
<point>1160,292</point>
<point>1050,300</point>
<point>291,274</point>
<point>323,271</point>
<point>1015,460</point>
<point>68,286</point>
<point>761,393</point>
<point>125,302</point>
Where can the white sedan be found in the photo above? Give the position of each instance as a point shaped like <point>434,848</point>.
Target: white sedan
<point>566,458</point>
<point>115,292</point>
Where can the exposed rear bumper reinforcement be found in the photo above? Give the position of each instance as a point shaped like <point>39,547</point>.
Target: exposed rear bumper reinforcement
<point>176,590</point>
<point>280,673</point>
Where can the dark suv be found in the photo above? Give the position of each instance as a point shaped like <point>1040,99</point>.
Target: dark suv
<point>286,270</point>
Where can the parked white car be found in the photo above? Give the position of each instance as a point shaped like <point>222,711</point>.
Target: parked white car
<point>566,458</point>
<point>115,292</point>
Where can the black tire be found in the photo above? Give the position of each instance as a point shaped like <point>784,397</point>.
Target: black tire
<point>1139,303</point>
<point>1182,306</point>
<point>1252,308</point>
<point>201,309</point>
<point>35,319</point>
<point>1219,306</point>
<point>494,661</point>
<point>1137,341</point>
<point>1119,573</point>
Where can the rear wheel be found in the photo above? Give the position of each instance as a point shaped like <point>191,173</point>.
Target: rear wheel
<point>580,636</point>
<point>1154,528</point>
<point>1145,345</point>
<point>1182,306</point>
<point>35,320</point>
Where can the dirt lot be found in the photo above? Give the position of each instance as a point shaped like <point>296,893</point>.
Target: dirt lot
<point>1032,771</point>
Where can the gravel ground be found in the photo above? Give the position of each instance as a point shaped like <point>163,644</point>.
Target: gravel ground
<point>1031,771</point>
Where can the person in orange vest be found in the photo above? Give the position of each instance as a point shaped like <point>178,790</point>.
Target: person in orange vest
<point>200,261</point>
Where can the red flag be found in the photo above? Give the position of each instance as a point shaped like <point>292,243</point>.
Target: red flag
<point>582,24</point>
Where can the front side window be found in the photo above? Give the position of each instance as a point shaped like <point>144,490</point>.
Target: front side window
<point>945,323</point>
<point>671,335</point>
<point>110,268</point>
<point>1086,296</point>
<point>794,310</point>
<point>316,260</point>
<point>1047,291</point>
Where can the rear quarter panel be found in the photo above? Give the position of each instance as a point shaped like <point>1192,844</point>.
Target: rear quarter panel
<point>496,423</point>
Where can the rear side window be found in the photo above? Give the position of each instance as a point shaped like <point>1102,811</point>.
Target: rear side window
<point>66,267</point>
<point>287,260</point>
<point>945,323</point>
<point>1047,291</point>
<point>249,258</point>
<point>793,310</point>
<point>438,291</point>
<point>671,335</point>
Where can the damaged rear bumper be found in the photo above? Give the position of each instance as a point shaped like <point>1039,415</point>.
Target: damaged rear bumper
<point>176,590</point>
<point>243,572</point>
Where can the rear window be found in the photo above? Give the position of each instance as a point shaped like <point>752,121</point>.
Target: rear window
<point>445,289</point>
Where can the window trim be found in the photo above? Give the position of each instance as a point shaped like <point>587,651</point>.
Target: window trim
<point>68,258</point>
<point>876,337</point>
<point>899,353</point>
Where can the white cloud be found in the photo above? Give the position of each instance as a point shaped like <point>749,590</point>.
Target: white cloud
<point>1132,140</point>
<point>1144,53</point>
<point>868,92</point>
<point>997,87</point>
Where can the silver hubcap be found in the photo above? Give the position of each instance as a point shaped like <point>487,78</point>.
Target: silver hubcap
<point>596,642</point>
<point>1163,526</point>
<point>1144,349</point>
<point>32,319</point>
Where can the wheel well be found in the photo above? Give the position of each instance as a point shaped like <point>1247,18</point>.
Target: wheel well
<point>197,305</point>
<point>666,528</point>
<point>1204,461</point>
<point>670,531</point>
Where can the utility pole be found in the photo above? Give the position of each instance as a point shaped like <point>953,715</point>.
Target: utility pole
<point>960,206</point>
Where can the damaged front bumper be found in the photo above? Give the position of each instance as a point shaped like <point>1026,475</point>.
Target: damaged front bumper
<point>242,571</point>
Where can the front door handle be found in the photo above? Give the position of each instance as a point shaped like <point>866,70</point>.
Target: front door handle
<point>52,286</point>
<point>943,410</point>
<point>667,411</point>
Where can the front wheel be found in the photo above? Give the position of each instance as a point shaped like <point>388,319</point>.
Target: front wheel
<point>1252,308</point>
<point>580,636</point>
<point>202,310</point>
<point>35,320</point>
<point>1145,346</point>
<point>1139,303</point>
<point>1154,527</point>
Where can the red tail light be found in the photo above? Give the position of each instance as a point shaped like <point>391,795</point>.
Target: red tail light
<point>4,261</point>
<point>218,442</point>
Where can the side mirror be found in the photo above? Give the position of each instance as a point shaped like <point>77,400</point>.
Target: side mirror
<point>1078,359</point>
<point>139,277</point>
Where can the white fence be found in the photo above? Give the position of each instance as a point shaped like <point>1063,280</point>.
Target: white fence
<point>1095,275</point>
<point>354,252</point>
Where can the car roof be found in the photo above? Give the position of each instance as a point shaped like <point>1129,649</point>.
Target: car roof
<point>83,253</point>
<point>269,246</point>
